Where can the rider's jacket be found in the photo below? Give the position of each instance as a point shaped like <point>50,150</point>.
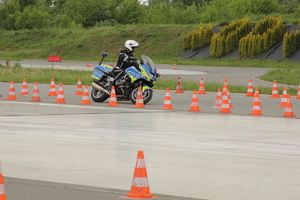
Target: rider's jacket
<point>125,59</point>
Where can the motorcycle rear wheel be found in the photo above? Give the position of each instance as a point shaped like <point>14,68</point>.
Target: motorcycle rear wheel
<point>98,96</point>
<point>147,95</point>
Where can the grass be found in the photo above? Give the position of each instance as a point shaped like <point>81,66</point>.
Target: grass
<point>67,77</point>
<point>70,77</point>
<point>160,42</point>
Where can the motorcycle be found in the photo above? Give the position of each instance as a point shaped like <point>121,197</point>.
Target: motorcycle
<point>126,87</point>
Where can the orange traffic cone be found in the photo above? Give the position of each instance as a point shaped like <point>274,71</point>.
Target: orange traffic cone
<point>174,66</point>
<point>36,93</point>
<point>79,88</point>
<point>52,91</point>
<point>201,87</point>
<point>194,104</point>
<point>24,91</point>
<point>298,94</point>
<point>229,98</point>
<point>256,105</point>
<point>250,89</point>
<point>283,98</point>
<point>256,92</point>
<point>288,112</point>
<point>12,93</point>
<point>2,189</point>
<point>61,95</point>
<point>113,98</point>
<point>225,104</point>
<point>85,97</point>
<point>167,101</point>
<point>218,102</point>
<point>225,85</point>
<point>179,87</point>
<point>88,65</point>
<point>140,187</point>
<point>275,91</point>
<point>139,99</point>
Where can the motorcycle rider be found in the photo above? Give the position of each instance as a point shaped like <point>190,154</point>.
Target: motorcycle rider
<point>125,59</point>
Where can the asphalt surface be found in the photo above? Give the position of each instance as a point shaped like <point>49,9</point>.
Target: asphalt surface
<point>72,151</point>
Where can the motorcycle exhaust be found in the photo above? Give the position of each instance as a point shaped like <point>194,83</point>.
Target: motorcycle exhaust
<point>98,87</point>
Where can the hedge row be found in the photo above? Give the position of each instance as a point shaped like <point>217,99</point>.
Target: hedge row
<point>291,42</point>
<point>197,39</point>
<point>265,35</point>
<point>227,40</point>
<point>251,42</point>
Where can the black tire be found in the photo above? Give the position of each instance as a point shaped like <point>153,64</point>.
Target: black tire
<point>98,96</point>
<point>147,95</point>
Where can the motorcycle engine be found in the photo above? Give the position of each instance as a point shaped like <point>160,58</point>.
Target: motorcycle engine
<point>119,82</point>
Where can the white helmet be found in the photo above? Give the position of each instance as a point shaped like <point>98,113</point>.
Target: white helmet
<point>129,44</point>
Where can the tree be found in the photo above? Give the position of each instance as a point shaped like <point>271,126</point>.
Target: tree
<point>190,2</point>
<point>190,15</point>
<point>25,3</point>
<point>263,6</point>
<point>65,21</point>
<point>88,12</point>
<point>8,13</point>
<point>128,12</point>
<point>33,18</point>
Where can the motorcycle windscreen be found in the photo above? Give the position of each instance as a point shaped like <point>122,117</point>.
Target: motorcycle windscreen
<point>134,73</point>
<point>99,71</point>
<point>149,64</point>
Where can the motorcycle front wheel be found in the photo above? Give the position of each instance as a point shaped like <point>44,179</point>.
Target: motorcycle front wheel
<point>98,96</point>
<point>147,95</point>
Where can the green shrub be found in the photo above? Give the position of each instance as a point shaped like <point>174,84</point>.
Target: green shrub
<point>266,34</point>
<point>227,40</point>
<point>197,39</point>
<point>291,42</point>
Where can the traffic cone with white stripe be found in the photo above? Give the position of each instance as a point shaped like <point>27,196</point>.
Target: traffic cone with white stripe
<point>12,93</point>
<point>275,90</point>
<point>139,99</point>
<point>256,105</point>
<point>298,94</point>
<point>113,97</point>
<point>257,92</point>
<point>225,85</point>
<point>288,112</point>
<point>283,98</point>
<point>167,101</point>
<point>85,96</point>
<point>174,66</point>
<point>2,189</point>
<point>52,91</point>
<point>79,88</point>
<point>229,98</point>
<point>24,91</point>
<point>179,86</point>
<point>140,187</point>
<point>218,102</point>
<point>195,105</point>
<point>225,104</point>
<point>201,87</point>
<point>250,89</point>
<point>36,93</point>
<point>61,95</point>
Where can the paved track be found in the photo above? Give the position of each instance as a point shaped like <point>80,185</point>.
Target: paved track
<point>71,151</point>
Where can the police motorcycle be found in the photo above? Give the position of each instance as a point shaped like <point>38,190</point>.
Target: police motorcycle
<point>126,87</point>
